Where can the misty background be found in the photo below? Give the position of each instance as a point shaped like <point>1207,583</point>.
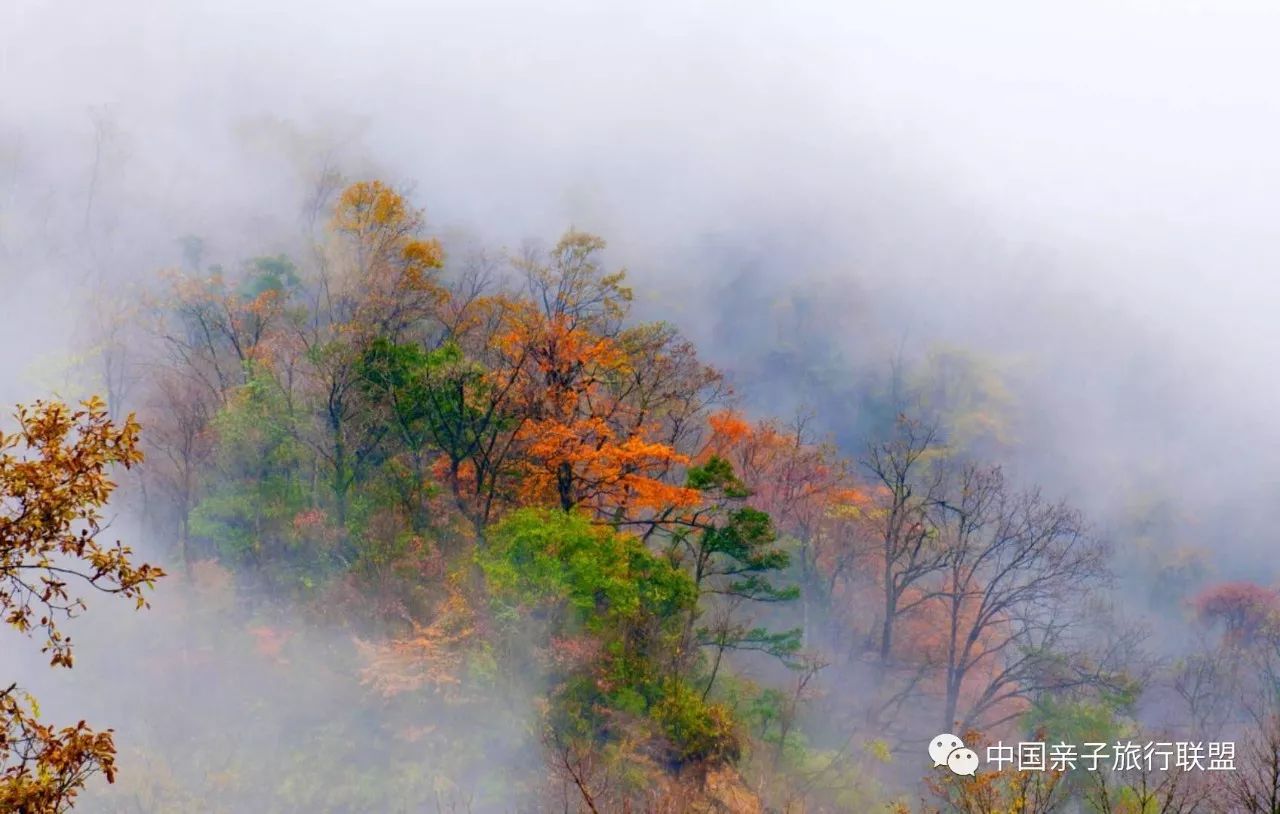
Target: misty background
<point>1081,193</point>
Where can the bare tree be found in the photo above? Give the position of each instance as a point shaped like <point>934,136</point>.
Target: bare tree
<point>1254,786</point>
<point>180,443</point>
<point>1209,682</point>
<point>1018,568</point>
<point>1148,788</point>
<point>907,546</point>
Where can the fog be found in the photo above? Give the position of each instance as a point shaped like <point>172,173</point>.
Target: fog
<point>1084,193</point>
<point>975,160</point>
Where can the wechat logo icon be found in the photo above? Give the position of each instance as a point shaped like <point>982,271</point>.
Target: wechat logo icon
<point>948,750</point>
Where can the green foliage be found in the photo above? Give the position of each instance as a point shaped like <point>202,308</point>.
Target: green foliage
<point>782,645</point>
<point>437,396</point>
<point>744,545</point>
<point>700,731</point>
<point>277,274</point>
<point>597,576</point>
<point>593,578</point>
<point>1079,720</point>
<point>250,508</point>
<point>401,375</point>
<point>717,474</point>
<point>734,553</point>
<point>735,558</point>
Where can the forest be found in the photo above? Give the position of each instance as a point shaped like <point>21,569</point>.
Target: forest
<point>489,407</point>
<point>479,539</point>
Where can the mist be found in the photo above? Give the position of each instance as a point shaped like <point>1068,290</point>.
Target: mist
<point>1080,194</point>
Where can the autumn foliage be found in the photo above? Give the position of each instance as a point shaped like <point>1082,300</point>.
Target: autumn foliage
<point>53,485</point>
<point>498,484</point>
<point>1246,610</point>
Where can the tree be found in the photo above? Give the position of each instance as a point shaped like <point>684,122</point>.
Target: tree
<point>906,548</point>
<point>399,380</point>
<point>217,331</point>
<point>1147,788</point>
<point>1231,673</point>
<point>665,390</point>
<point>248,510</point>
<point>1013,590</point>
<point>790,473</point>
<point>181,442</point>
<point>377,280</point>
<point>440,403</point>
<point>215,326</point>
<point>385,271</point>
<point>1254,788</point>
<point>798,482</point>
<point>585,439</point>
<point>53,486</point>
<point>543,398</point>
<point>729,549</point>
<point>589,580</point>
<point>1249,612</point>
<point>569,287</point>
